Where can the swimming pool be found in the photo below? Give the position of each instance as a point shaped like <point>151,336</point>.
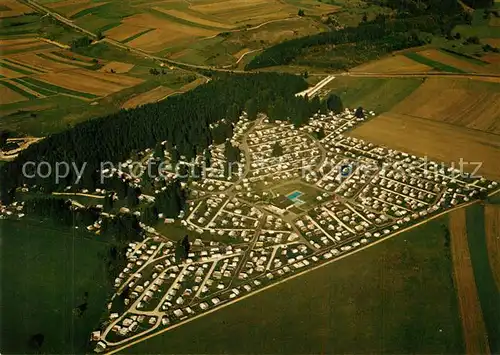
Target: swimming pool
<point>294,195</point>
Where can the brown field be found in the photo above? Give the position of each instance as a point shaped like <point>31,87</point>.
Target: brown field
<point>27,89</point>
<point>494,42</point>
<point>123,80</point>
<point>444,58</point>
<point>7,73</point>
<point>76,9</point>
<point>195,19</point>
<point>16,41</point>
<point>91,82</point>
<point>22,44</point>
<point>154,95</point>
<point>247,11</point>
<point>76,56</point>
<point>439,141</point>
<point>34,70</point>
<point>66,3</point>
<point>16,8</point>
<point>124,31</point>
<point>492,58</point>
<point>474,330</point>
<point>395,64</point>
<point>69,61</point>
<point>35,61</point>
<point>161,39</point>
<point>192,85</point>
<point>492,225</point>
<point>456,101</point>
<point>10,96</point>
<point>118,67</point>
<point>72,7</point>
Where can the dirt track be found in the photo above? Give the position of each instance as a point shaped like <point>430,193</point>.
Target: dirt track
<point>474,330</point>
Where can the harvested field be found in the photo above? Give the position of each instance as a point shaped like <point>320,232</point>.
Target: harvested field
<point>160,39</point>
<point>14,62</point>
<point>66,3</point>
<point>122,80</point>
<point>22,89</point>
<point>192,85</point>
<point>16,41</point>
<point>9,73</point>
<point>71,55</point>
<point>194,19</point>
<point>36,61</point>
<point>454,62</point>
<point>86,81</point>
<point>10,96</point>
<point>76,9</point>
<point>494,42</point>
<point>165,34</point>
<point>73,62</point>
<point>492,225</point>
<point>492,58</point>
<point>117,67</point>
<point>439,141</point>
<point>474,330</point>
<point>15,8</point>
<point>15,46</point>
<point>395,64</point>
<point>15,66</point>
<point>154,95</point>
<point>250,11</point>
<point>459,102</point>
<point>124,31</point>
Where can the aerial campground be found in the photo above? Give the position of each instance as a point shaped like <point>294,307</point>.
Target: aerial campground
<point>250,177</point>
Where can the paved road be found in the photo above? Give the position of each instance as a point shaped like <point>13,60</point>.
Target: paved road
<point>112,42</point>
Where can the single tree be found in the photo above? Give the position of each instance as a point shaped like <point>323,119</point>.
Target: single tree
<point>360,113</point>
<point>334,103</point>
<point>277,150</point>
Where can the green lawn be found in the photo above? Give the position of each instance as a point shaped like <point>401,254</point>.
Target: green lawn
<point>45,274</point>
<point>377,94</point>
<point>39,117</point>
<point>489,295</point>
<point>396,297</point>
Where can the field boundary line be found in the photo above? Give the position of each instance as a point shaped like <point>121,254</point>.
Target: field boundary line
<point>471,314</point>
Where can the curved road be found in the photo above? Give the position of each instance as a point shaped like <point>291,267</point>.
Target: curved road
<point>112,42</point>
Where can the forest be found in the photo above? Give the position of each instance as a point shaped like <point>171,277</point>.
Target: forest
<point>184,121</point>
<point>346,47</point>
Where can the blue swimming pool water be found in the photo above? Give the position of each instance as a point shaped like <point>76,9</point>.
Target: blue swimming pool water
<point>294,195</point>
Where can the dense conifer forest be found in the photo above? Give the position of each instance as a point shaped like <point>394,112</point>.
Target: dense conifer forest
<point>343,48</point>
<point>184,121</point>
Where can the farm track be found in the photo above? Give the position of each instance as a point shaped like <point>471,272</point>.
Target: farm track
<point>474,329</point>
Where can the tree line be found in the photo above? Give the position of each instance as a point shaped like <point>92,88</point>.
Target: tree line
<point>373,38</point>
<point>183,121</point>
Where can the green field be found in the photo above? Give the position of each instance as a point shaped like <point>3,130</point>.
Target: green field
<point>45,274</point>
<point>377,94</point>
<point>396,297</point>
<point>18,90</point>
<point>489,295</point>
<point>432,63</point>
